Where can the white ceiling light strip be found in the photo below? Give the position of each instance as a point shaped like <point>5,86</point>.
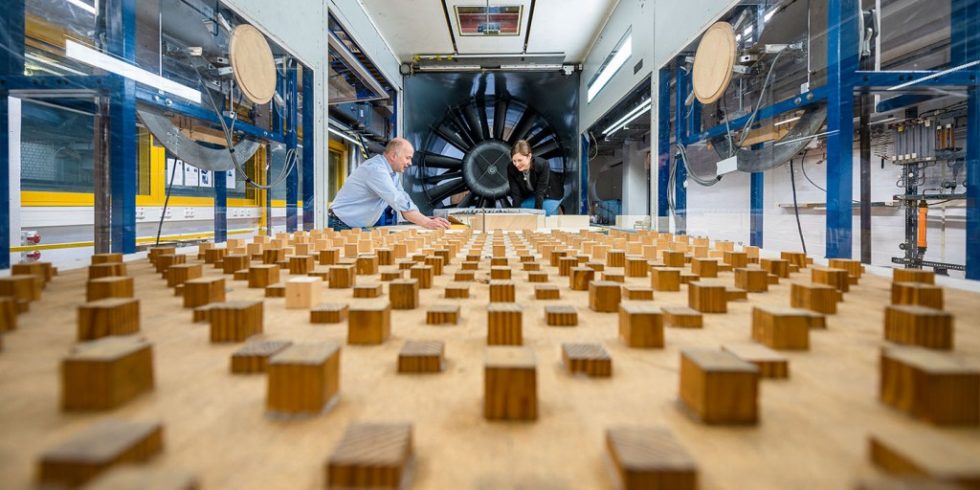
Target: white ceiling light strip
<point>105,62</point>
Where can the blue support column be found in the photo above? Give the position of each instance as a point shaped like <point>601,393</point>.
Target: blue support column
<point>292,144</point>
<point>680,177</point>
<point>121,40</point>
<point>11,64</point>
<point>584,174</point>
<point>965,47</point>
<point>309,140</point>
<point>663,161</point>
<point>842,58</point>
<point>756,198</point>
<point>220,206</point>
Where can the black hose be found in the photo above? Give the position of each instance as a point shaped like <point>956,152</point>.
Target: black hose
<point>796,208</point>
<point>166,201</point>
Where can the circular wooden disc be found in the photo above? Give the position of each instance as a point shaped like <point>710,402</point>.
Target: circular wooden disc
<point>253,64</point>
<point>713,62</point>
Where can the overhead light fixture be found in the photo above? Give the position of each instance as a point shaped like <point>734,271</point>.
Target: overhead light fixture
<point>51,63</point>
<point>344,136</point>
<point>622,53</point>
<point>105,62</point>
<point>449,68</point>
<point>92,9</point>
<point>531,67</point>
<point>628,118</point>
<point>787,121</point>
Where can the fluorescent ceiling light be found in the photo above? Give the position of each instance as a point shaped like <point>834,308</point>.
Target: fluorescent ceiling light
<point>105,62</point>
<point>623,52</point>
<point>92,9</point>
<point>787,121</point>
<point>344,136</point>
<point>628,118</point>
<point>449,68</point>
<point>41,59</point>
<point>530,67</point>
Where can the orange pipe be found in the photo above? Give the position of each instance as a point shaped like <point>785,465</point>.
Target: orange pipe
<point>921,242</point>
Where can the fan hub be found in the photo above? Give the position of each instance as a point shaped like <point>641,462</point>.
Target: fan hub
<point>485,169</point>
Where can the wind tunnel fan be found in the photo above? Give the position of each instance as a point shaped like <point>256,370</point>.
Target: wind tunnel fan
<point>464,157</point>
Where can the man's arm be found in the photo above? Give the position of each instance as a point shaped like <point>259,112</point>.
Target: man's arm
<point>424,221</point>
<point>399,200</point>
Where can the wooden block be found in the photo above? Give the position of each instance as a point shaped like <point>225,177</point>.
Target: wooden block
<point>442,315</point>
<point>214,255</point>
<point>404,294</point>
<point>838,278</point>
<point>436,263</point>
<point>303,378</point>
<point>272,256</point>
<point>25,287</point>
<point>368,324</point>
<point>718,387</point>
<point>456,290</point>
<point>128,477</point>
<point>589,359</point>
<point>234,263</point>
<point>301,264</point>
<point>580,277</point>
<point>752,280</point>
<point>39,269</point>
<point>736,259</point>
<point>421,356</point>
<point>464,276</point>
<point>641,325</point>
<point>798,259</point>
<point>636,267</point>
<point>505,324</point>
<point>604,296</point>
<point>500,273</point>
<point>913,275</point>
<point>368,291</point>
<point>916,293</point>
<point>109,287</point>
<point>936,457</point>
<point>704,267</point>
<point>707,297</point>
<point>537,277</point>
<point>372,456</point>
<point>181,273</point>
<point>814,297</point>
<point>510,384</point>
<point>596,266</point>
<point>106,373</point>
<point>665,279</point>
<point>682,317</point>
<point>8,314</point>
<point>616,258</point>
<point>366,264</point>
<point>341,276</point>
<point>776,267</point>
<point>736,294</point>
<point>96,449</point>
<point>470,266</point>
<point>854,268</point>
<point>502,291</point>
<point>931,386</point>
<point>673,259</point>
<point>107,258</point>
<point>560,315</point>
<point>105,317</point>
<point>254,356</point>
<point>392,275</point>
<point>919,325</point>
<point>772,279</point>
<point>650,458</point>
<point>203,290</point>
<point>531,266</point>
<point>202,314</point>
<point>303,292</point>
<point>613,277</point>
<point>546,291</point>
<point>386,256</point>
<point>235,321</point>
<point>329,256</point>
<point>781,328</point>
<point>260,276</point>
<point>277,290</point>
<point>328,313</point>
<point>637,293</point>
<point>771,364</point>
<point>565,265</point>
<point>422,274</point>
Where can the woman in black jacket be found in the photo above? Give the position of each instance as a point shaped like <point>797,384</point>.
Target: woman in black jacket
<point>530,181</point>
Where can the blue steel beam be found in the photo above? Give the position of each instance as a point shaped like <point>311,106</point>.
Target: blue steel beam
<point>842,58</point>
<point>584,177</point>
<point>680,174</point>
<point>663,161</point>
<point>292,180</point>
<point>154,99</point>
<point>787,105</point>
<point>965,47</point>
<point>912,79</point>
<point>756,202</point>
<point>902,101</point>
<point>121,41</point>
<point>21,82</point>
<point>11,64</point>
<point>309,140</point>
<point>220,206</point>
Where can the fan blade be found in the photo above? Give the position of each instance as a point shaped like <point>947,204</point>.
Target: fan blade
<point>446,189</point>
<point>452,138</point>
<point>523,126</point>
<point>484,121</point>
<point>539,137</point>
<point>432,179</point>
<point>473,120</point>
<point>460,126</point>
<point>435,160</point>
<point>547,150</point>
<point>467,201</point>
<point>499,118</point>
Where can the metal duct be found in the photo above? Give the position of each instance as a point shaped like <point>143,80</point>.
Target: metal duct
<point>188,150</point>
<point>781,151</point>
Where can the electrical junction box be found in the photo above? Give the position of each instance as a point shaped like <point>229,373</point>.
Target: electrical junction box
<point>727,166</point>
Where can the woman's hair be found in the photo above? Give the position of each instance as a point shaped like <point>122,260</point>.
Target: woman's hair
<point>522,147</point>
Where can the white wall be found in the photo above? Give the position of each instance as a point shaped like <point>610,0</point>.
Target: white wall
<point>635,189</point>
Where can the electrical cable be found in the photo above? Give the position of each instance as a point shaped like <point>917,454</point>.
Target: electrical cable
<point>695,177</point>
<point>166,201</point>
<point>796,208</point>
<point>746,129</point>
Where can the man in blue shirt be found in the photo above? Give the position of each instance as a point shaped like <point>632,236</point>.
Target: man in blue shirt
<point>373,186</point>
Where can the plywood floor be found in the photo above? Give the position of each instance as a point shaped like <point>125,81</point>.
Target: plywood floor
<point>812,433</point>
